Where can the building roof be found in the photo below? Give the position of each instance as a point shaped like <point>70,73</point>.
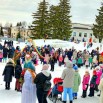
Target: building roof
<point>82,26</point>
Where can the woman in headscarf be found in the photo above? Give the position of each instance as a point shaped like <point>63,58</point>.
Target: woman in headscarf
<point>8,73</point>
<point>29,88</point>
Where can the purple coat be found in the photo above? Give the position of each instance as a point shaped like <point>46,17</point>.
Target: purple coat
<point>85,81</point>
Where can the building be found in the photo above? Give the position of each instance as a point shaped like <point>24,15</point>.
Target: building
<point>80,31</point>
<point>24,31</point>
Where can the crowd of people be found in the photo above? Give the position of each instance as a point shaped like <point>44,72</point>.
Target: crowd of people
<point>22,65</point>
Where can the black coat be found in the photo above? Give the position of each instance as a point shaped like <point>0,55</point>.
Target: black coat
<point>5,52</point>
<point>40,80</point>
<point>18,70</point>
<point>8,72</point>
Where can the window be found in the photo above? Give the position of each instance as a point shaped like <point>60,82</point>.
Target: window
<point>85,34</point>
<point>74,33</point>
<point>90,34</point>
<point>80,34</point>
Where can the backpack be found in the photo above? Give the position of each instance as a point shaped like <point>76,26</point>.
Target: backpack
<point>47,85</point>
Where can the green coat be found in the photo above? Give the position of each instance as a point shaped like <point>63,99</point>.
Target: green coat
<point>77,81</point>
<point>79,61</point>
<point>90,59</point>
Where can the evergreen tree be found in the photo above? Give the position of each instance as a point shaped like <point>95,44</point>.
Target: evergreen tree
<point>40,23</point>
<point>98,26</point>
<point>54,23</point>
<point>64,19</point>
<point>1,31</point>
<point>18,36</point>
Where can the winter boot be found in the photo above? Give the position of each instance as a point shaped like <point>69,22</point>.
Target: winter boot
<point>71,101</point>
<point>64,102</point>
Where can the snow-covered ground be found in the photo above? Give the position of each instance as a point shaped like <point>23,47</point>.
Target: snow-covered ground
<point>11,96</point>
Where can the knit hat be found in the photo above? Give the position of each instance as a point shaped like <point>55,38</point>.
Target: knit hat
<point>75,67</point>
<point>45,67</point>
<point>94,72</point>
<point>29,65</point>
<point>97,68</point>
<point>69,64</point>
<point>101,66</point>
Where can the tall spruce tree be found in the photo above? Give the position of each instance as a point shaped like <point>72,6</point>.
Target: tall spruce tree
<point>54,23</point>
<point>1,31</point>
<point>64,19</point>
<point>40,23</point>
<point>98,26</point>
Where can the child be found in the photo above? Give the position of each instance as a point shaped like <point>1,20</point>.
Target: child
<point>93,84</point>
<point>60,59</point>
<point>90,60</point>
<point>77,81</point>
<point>1,55</point>
<point>18,70</point>
<point>99,73</point>
<point>85,83</point>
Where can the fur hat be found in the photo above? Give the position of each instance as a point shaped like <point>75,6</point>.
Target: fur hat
<point>10,60</point>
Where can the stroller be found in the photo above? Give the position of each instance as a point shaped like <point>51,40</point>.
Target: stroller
<point>55,93</point>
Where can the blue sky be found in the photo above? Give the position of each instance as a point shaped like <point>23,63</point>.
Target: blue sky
<point>82,11</point>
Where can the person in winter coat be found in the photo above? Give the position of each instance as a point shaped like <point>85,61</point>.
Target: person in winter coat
<point>90,60</point>
<point>17,54</point>
<point>5,53</point>
<point>79,62</point>
<point>40,82</point>
<point>68,81</point>
<point>52,63</point>
<point>8,73</point>
<point>65,60</point>
<point>77,81</point>
<point>87,63</point>
<point>93,84</point>
<point>99,73</point>
<point>85,83</point>
<point>18,70</point>
<point>1,55</point>
<point>75,54</point>
<point>11,51</point>
<point>60,59</point>
<point>100,87</point>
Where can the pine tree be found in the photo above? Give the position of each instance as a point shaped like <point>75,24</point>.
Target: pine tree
<point>40,23</point>
<point>54,24</point>
<point>98,26</point>
<point>1,31</point>
<point>65,22</point>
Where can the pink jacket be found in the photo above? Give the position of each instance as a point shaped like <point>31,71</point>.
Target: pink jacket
<point>1,55</point>
<point>99,73</point>
<point>60,58</point>
<point>85,81</point>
